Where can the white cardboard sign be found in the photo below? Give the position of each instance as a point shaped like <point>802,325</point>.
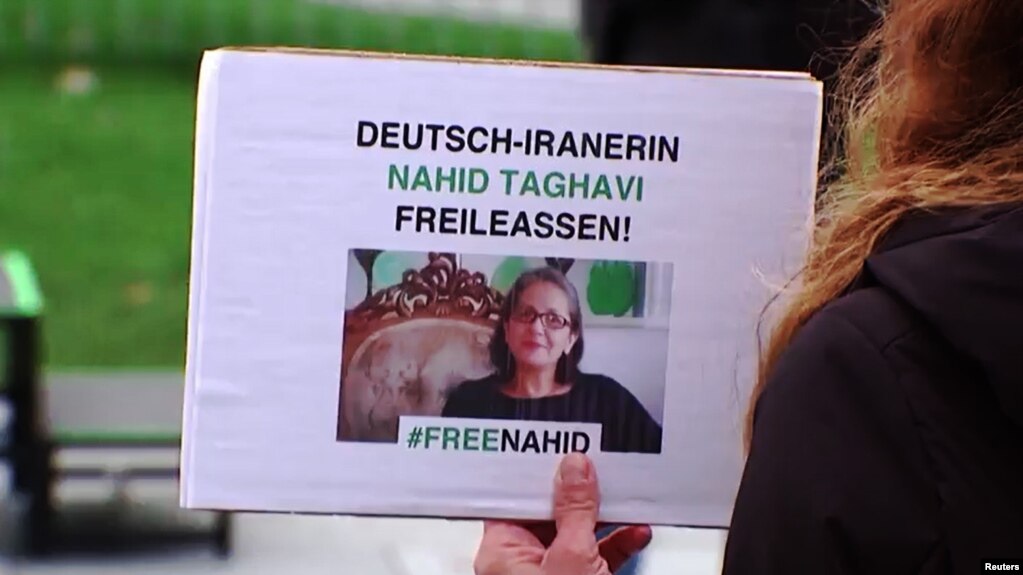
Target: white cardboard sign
<point>416,283</point>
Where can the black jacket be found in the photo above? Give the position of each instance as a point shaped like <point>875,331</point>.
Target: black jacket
<point>890,437</point>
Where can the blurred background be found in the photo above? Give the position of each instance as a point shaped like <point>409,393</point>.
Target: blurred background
<point>97,103</point>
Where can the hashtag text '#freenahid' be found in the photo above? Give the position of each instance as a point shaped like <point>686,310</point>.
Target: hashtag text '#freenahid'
<point>499,440</point>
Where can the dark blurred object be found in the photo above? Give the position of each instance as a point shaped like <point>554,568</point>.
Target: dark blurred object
<point>22,446</point>
<point>40,524</point>
<point>733,34</point>
<point>790,35</point>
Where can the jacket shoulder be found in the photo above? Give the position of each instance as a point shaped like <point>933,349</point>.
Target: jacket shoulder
<point>838,350</point>
<point>836,462</point>
<point>845,345</point>
<point>877,315</point>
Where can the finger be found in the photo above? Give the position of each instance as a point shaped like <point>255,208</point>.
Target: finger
<point>576,507</point>
<point>624,543</point>
<point>544,531</point>
<point>576,494</point>
<point>508,533</point>
<point>507,548</point>
<point>514,561</point>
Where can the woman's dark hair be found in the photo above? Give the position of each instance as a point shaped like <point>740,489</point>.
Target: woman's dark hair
<point>568,364</point>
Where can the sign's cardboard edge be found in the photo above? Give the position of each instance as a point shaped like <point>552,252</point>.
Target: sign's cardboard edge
<point>567,65</point>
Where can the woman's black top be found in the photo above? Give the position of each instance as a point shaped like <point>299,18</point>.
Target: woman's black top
<point>626,426</point>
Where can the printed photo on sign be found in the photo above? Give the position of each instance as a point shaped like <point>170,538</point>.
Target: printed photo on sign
<point>463,336</point>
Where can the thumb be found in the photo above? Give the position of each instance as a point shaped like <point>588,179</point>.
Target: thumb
<point>576,494</point>
<point>576,507</point>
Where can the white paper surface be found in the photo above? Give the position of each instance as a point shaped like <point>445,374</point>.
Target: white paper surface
<point>284,195</point>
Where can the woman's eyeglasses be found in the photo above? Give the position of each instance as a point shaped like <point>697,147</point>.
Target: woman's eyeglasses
<point>550,320</point>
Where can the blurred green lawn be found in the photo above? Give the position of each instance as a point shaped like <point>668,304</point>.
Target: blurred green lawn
<point>96,187</point>
<point>174,31</point>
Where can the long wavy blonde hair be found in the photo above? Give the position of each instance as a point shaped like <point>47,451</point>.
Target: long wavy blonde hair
<point>928,113</point>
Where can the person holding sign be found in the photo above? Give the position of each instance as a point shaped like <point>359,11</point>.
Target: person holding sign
<point>885,434</point>
<point>536,350</point>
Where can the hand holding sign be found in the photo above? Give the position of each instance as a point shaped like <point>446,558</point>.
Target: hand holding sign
<point>570,546</point>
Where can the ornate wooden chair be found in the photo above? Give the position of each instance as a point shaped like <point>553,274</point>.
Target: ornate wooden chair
<point>406,346</point>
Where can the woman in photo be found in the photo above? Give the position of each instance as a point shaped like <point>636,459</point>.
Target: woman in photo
<point>536,350</point>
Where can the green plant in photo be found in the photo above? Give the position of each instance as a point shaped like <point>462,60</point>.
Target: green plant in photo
<point>507,272</point>
<point>611,289</point>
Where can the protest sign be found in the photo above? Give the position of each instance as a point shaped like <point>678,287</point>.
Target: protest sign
<point>418,282</point>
